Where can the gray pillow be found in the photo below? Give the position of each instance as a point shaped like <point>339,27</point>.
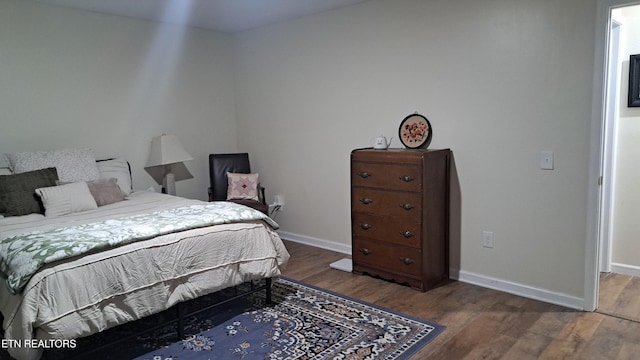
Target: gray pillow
<point>18,191</point>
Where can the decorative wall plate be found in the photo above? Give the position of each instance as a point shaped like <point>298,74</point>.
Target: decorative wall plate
<point>415,132</point>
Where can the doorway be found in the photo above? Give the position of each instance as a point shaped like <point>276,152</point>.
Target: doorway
<point>617,274</point>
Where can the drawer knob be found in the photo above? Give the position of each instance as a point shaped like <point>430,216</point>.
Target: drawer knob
<point>364,174</point>
<point>365,226</point>
<point>366,201</point>
<point>406,261</point>
<point>406,178</point>
<point>365,251</point>
<point>407,234</point>
<point>406,206</point>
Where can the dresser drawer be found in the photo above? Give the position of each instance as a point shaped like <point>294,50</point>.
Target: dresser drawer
<point>393,258</point>
<point>388,229</point>
<point>405,206</point>
<point>386,176</point>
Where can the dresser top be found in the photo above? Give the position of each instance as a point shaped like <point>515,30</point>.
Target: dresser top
<point>370,154</point>
<point>400,150</point>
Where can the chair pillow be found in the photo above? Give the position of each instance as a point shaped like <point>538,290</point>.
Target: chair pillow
<point>242,186</point>
<point>18,191</point>
<point>66,199</point>
<point>72,164</point>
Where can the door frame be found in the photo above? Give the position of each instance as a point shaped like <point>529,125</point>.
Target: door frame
<point>597,151</point>
<point>609,146</point>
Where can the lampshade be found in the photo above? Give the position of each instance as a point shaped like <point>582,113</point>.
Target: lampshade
<point>165,150</point>
<point>165,162</point>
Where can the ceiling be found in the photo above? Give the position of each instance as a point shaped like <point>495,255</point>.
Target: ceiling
<point>222,15</point>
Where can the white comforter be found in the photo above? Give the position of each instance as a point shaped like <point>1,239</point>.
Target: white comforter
<point>84,295</point>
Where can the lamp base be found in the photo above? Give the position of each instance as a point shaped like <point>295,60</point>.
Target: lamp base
<point>169,184</point>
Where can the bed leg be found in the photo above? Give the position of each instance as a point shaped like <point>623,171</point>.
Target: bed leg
<point>180,309</point>
<point>269,300</point>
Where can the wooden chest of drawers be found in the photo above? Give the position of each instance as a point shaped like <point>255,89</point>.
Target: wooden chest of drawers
<point>400,215</point>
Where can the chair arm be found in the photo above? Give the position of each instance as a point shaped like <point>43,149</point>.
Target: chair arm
<point>261,196</point>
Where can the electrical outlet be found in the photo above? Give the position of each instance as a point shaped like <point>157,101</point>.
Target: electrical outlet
<point>546,160</point>
<point>487,239</point>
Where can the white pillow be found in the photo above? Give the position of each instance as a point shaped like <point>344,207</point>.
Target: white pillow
<point>66,199</point>
<point>72,164</point>
<point>5,171</point>
<point>117,168</point>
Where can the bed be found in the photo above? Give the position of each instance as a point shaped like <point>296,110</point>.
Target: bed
<point>129,259</point>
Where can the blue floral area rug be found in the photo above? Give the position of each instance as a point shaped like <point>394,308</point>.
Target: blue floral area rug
<point>306,323</point>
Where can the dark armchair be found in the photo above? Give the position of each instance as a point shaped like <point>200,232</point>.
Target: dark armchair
<point>219,166</point>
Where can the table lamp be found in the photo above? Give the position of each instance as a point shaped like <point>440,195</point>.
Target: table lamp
<point>165,162</point>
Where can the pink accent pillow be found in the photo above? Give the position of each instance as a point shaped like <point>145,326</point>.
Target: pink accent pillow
<point>105,191</point>
<point>242,186</point>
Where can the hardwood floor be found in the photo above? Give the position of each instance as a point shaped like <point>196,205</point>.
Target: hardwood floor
<point>619,296</point>
<point>481,323</point>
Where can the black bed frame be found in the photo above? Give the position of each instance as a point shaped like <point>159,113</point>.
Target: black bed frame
<point>253,288</point>
<point>176,314</point>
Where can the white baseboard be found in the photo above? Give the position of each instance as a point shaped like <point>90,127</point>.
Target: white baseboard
<point>569,301</point>
<point>319,243</point>
<point>625,269</point>
<point>561,299</point>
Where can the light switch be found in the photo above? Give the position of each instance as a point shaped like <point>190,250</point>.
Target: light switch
<point>546,160</point>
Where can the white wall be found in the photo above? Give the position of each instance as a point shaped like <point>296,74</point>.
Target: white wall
<point>72,78</point>
<point>500,81</point>
<point>626,227</point>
